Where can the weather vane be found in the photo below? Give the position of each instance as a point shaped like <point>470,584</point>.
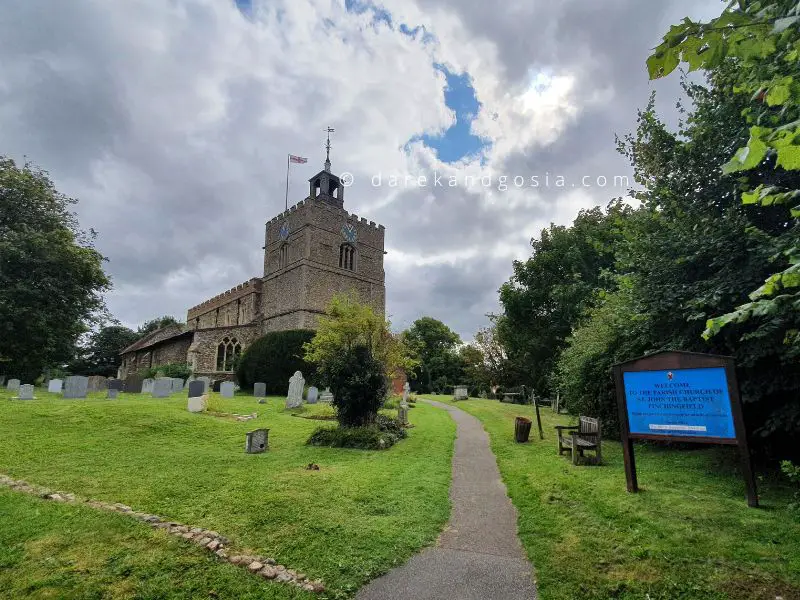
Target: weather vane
<point>330,130</point>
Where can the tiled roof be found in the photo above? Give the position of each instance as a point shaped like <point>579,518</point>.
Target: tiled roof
<point>157,336</point>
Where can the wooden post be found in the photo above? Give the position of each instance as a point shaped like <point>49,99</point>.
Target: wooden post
<point>538,417</point>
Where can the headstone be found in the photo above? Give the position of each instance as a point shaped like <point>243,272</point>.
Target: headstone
<point>326,396</point>
<point>25,392</point>
<point>2,379</point>
<point>196,389</point>
<point>133,384</point>
<point>162,387</point>
<point>147,385</point>
<point>197,404</point>
<point>13,385</point>
<point>257,441</point>
<point>112,393</point>
<point>406,391</point>
<point>96,383</point>
<point>402,414</point>
<point>313,395</point>
<point>177,384</point>
<point>295,396</point>
<point>260,390</point>
<point>76,387</point>
<point>115,384</point>
<point>206,382</point>
<point>227,389</point>
<point>55,386</point>
<point>460,392</point>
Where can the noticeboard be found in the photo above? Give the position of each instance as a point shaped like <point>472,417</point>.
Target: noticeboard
<point>682,397</point>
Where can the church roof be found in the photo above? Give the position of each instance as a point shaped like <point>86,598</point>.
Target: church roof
<point>156,337</point>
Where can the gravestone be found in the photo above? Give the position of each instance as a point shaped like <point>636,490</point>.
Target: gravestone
<point>13,385</point>
<point>96,383</point>
<point>112,393</point>
<point>226,389</point>
<point>295,396</point>
<point>55,386</point>
<point>76,387</point>
<point>406,391</point>
<point>206,382</point>
<point>133,384</point>
<point>257,441</point>
<point>2,379</point>
<point>115,384</point>
<point>197,404</point>
<point>162,387</point>
<point>177,384</point>
<point>196,389</point>
<point>313,395</point>
<point>402,414</point>
<point>216,384</point>
<point>460,392</point>
<point>147,385</point>
<point>326,396</point>
<point>25,392</point>
<point>260,390</point>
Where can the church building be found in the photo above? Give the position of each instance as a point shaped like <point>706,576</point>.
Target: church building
<point>313,250</point>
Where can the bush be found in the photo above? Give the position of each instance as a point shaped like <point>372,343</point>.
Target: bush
<point>383,433</point>
<point>359,385</point>
<point>181,370</point>
<point>792,471</point>
<point>273,359</point>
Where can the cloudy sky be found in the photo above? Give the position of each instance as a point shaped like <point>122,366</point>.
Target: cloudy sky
<point>170,121</point>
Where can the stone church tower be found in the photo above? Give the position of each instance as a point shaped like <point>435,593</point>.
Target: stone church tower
<point>313,250</point>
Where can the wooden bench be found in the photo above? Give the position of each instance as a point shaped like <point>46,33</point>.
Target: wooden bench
<point>581,437</point>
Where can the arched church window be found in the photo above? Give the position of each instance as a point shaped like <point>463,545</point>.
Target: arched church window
<point>228,351</point>
<point>283,256</point>
<point>347,257</point>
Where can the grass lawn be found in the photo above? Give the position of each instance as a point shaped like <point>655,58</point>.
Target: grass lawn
<point>687,534</point>
<point>362,513</point>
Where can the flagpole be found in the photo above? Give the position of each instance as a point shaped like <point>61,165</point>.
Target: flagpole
<point>287,182</point>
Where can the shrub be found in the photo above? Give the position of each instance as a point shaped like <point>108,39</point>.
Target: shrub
<point>792,471</point>
<point>181,370</point>
<point>273,359</point>
<point>359,385</point>
<point>382,434</point>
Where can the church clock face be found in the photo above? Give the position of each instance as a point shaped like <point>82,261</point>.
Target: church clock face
<point>349,232</point>
<point>284,231</point>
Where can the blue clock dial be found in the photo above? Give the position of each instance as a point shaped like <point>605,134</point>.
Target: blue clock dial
<point>349,232</point>
<point>284,232</point>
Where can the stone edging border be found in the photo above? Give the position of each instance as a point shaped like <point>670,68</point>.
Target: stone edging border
<point>211,540</point>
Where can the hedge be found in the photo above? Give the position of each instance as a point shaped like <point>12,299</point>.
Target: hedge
<point>273,359</point>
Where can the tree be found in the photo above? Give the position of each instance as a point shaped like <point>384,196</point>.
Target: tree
<point>51,278</point>
<point>434,344</point>
<point>100,355</point>
<point>155,324</point>
<point>273,358</point>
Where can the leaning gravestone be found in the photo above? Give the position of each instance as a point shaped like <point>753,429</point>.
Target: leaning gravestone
<point>257,441</point>
<point>313,395</point>
<point>147,385</point>
<point>76,387</point>
<point>25,392</point>
<point>326,396</point>
<point>260,390</point>
<point>295,396</point>
<point>55,385</point>
<point>197,404</point>
<point>177,384</point>
<point>13,385</point>
<point>96,383</point>
<point>133,384</point>
<point>162,387</point>
<point>196,389</point>
<point>112,393</point>
<point>226,389</point>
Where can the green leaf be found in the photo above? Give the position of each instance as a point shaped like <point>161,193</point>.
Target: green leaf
<point>748,157</point>
<point>778,95</point>
<point>789,157</point>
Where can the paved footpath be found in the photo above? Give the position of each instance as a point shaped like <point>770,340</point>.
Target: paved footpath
<point>478,555</point>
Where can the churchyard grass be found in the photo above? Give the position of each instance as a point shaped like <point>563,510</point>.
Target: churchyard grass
<point>360,514</point>
<point>688,534</point>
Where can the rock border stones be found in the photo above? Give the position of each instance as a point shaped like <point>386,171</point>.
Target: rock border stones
<point>266,568</point>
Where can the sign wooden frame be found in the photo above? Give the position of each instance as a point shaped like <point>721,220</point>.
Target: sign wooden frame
<point>675,360</point>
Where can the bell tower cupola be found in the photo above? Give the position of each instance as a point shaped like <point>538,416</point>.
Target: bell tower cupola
<point>325,185</point>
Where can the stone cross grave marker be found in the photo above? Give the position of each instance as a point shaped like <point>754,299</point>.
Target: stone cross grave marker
<point>197,404</point>
<point>326,396</point>
<point>133,384</point>
<point>13,385</point>
<point>177,384</point>
<point>76,387</point>
<point>226,389</point>
<point>196,389</point>
<point>257,441</point>
<point>25,392</point>
<point>147,385</point>
<point>260,390</point>
<point>295,396</point>
<point>96,383</point>
<point>313,395</point>
<point>55,386</point>
<point>162,387</point>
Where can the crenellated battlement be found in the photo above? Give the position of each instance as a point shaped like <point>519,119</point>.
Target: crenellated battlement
<point>243,289</point>
<point>320,203</point>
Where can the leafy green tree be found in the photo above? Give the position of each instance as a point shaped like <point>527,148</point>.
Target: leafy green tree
<point>100,354</point>
<point>51,277</point>
<point>435,345</point>
<point>273,358</point>
<point>155,324</point>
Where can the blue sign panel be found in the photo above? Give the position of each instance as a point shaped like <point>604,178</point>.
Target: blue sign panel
<point>680,402</point>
